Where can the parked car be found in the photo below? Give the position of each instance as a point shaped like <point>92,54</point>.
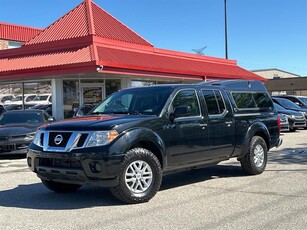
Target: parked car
<point>303,99</point>
<point>295,119</point>
<point>41,99</point>
<point>83,110</point>
<point>295,99</point>
<point>6,97</point>
<point>15,107</point>
<point>17,129</point>
<point>135,136</point>
<point>47,108</point>
<point>287,104</point>
<point>18,99</point>
<point>2,109</point>
<point>284,123</point>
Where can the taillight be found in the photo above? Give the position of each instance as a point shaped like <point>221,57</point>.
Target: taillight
<point>278,124</point>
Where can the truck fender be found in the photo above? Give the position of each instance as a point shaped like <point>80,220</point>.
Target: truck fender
<point>133,137</point>
<point>259,129</point>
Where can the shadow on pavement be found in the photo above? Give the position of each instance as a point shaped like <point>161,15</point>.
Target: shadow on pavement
<point>36,196</point>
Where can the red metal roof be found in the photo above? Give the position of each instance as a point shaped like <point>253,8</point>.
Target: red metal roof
<point>193,65</point>
<point>88,19</point>
<point>16,32</point>
<point>97,38</point>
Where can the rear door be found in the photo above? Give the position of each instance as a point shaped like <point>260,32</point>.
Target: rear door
<point>221,127</point>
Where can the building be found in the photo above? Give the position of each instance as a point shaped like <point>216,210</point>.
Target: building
<point>274,73</point>
<point>282,82</point>
<point>86,62</point>
<point>14,36</point>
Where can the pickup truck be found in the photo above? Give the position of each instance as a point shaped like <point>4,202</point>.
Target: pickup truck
<point>137,135</point>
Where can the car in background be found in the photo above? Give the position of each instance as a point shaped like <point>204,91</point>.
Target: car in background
<point>294,99</point>
<point>41,99</point>
<point>6,97</point>
<point>295,119</point>
<point>18,99</point>
<point>47,108</point>
<point>15,107</point>
<point>303,99</point>
<point>83,110</point>
<point>284,122</point>
<point>18,128</point>
<point>2,109</point>
<point>287,104</point>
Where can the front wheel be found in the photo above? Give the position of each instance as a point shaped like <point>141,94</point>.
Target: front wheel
<point>256,158</point>
<point>60,187</point>
<point>140,178</point>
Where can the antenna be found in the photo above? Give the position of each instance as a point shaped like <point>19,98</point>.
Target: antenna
<point>199,51</point>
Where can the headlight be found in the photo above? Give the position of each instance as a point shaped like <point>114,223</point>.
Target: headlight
<point>37,139</point>
<point>100,138</point>
<point>290,116</point>
<point>30,136</point>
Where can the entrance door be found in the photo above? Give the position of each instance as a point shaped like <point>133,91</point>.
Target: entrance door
<point>91,93</point>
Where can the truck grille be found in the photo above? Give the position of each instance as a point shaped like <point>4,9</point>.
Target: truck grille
<point>61,141</point>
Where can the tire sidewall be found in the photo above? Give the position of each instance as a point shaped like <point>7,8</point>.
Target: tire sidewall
<point>255,142</point>
<point>148,157</point>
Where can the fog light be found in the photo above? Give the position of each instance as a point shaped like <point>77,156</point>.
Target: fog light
<point>29,161</point>
<point>95,167</point>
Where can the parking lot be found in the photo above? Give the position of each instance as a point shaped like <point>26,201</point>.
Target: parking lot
<point>218,197</point>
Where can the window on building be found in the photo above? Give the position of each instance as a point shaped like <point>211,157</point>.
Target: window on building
<point>13,44</point>
<point>112,85</point>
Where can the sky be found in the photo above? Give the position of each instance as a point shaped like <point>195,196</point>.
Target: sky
<point>261,34</point>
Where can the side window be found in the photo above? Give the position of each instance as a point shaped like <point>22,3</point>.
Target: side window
<point>262,100</point>
<point>244,100</point>
<point>186,99</point>
<point>214,101</point>
<point>252,100</point>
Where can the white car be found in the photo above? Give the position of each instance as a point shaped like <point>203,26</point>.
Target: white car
<point>6,97</point>
<point>18,99</point>
<point>41,99</point>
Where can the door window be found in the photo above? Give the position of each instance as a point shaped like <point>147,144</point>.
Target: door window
<point>214,101</point>
<point>188,99</point>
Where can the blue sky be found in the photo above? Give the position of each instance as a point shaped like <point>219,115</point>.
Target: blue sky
<point>261,33</point>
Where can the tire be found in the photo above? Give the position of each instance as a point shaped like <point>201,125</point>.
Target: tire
<point>140,177</point>
<point>256,158</point>
<point>60,187</point>
<point>292,129</point>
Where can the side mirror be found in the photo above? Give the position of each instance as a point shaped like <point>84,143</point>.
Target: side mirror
<point>51,119</point>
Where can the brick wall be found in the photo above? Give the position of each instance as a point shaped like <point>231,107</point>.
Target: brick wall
<point>4,44</point>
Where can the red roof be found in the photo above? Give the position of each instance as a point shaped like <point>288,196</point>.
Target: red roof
<point>17,32</point>
<point>98,39</point>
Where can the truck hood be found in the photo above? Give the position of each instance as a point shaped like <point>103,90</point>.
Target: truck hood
<point>99,122</point>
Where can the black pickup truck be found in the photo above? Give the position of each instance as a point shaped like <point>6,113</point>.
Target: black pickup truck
<point>136,135</point>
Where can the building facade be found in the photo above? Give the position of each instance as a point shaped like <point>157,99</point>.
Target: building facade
<point>97,56</point>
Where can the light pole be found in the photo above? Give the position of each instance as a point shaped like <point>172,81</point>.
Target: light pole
<point>225,17</point>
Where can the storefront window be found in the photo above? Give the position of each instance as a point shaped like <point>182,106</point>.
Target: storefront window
<point>135,83</point>
<point>70,97</point>
<point>112,86</point>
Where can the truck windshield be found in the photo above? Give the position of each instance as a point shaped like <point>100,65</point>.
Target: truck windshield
<point>146,100</point>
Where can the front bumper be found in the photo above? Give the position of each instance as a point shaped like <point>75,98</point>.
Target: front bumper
<point>76,168</point>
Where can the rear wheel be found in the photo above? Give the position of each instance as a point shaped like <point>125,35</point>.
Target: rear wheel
<point>255,160</point>
<point>140,178</point>
<point>60,187</point>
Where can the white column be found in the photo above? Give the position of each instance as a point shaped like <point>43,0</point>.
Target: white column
<point>125,83</point>
<point>57,99</point>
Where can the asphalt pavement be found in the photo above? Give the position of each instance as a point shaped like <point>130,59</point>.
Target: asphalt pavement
<point>217,197</point>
